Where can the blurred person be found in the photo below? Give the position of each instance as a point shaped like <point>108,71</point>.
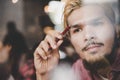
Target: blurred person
<point>93,34</point>
<point>4,53</point>
<point>16,40</point>
<point>26,68</point>
<point>5,67</point>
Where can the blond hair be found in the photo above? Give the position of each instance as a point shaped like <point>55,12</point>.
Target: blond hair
<point>69,8</point>
<point>72,5</point>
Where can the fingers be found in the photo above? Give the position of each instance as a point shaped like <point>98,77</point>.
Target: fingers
<point>45,46</point>
<point>43,50</point>
<point>59,43</point>
<point>53,40</point>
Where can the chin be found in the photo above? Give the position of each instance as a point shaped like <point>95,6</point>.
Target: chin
<point>95,62</point>
<point>92,58</point>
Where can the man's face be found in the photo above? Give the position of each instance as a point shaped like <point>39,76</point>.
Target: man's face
<point>92,33</point>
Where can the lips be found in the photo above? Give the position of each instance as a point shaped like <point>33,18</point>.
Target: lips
<point>92,47</point>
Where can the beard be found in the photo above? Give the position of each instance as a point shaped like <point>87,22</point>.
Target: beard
<point>100,63</point>
<point>97,65</point>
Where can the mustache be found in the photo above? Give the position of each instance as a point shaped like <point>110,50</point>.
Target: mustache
<point>92,43</point>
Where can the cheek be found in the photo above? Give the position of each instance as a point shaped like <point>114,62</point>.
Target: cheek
<point>109,45</point>
<point>107,37</point>
<point>77,43</point>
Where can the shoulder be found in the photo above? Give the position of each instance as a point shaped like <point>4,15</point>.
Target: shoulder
<point>81,72</point>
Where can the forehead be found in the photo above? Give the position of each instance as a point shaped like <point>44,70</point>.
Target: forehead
<point>85,13</point>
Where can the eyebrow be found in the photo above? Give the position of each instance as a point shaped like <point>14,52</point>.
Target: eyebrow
<point>77,25</point>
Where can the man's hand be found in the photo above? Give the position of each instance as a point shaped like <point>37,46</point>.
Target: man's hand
<point>46,56</point>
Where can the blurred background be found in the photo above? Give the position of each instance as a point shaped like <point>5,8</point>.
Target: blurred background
<point>20,33</point>
<point>25,14</point>
<point>23,24</point>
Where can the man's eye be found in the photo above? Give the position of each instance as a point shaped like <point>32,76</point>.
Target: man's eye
<point>76,30</point>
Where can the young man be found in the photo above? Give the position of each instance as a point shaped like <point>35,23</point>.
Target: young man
<point>93,33</point>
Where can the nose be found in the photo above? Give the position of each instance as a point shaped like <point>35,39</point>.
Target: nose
<point>89,33</point>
